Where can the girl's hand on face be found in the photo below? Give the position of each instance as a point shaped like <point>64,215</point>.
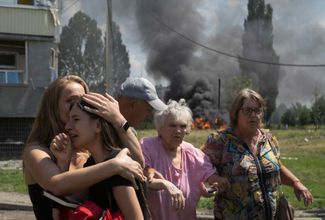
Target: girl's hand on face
<point>128,168</point>
<point>106,107</point>
<point>61,148</point>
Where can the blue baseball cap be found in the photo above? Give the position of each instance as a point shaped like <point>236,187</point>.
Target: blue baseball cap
<point>141,88</point>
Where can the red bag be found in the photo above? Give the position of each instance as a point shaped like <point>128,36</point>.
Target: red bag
<point>88,211</point>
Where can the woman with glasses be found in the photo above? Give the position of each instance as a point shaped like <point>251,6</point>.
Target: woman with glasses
<point>249,157</point>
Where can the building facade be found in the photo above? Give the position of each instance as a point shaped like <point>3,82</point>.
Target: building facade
<point>28,63</point>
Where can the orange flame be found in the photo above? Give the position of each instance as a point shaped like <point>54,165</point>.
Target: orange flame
<point>220,124</point>
<point>200,123</point>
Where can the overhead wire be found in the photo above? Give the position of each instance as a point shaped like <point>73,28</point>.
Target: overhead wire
<point>228,54</point>
<point>64,10</point>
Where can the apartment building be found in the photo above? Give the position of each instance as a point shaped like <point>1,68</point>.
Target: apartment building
<point>28,63</point>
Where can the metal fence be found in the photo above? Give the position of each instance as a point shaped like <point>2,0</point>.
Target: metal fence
<point>13,135</point>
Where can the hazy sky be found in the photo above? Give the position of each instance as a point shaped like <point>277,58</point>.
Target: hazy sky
<point>299,37</point>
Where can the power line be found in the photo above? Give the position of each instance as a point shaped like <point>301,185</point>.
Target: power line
<point>68,7</point>
<point>231,55</point>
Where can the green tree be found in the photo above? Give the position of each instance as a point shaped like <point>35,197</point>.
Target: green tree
<point>318,111</point>
<point>121,65</point>
<point>236,84</point>
<point>297,114</point>
<point>288,118</point>
<point>304,116</point>
<point>82,50</point>
<point>257,43</point>
<point>277,114</point>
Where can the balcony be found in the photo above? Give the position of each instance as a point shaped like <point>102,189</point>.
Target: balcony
<point>26,19</point>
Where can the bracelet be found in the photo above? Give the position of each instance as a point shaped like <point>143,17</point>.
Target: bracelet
<point>125,125</point>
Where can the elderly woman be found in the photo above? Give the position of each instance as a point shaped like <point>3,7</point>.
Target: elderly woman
<point>249,157</point>
<point>183,167</point>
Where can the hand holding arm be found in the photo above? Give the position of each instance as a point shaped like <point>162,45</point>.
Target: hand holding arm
<point>129,169</point>
<point>176,195</point>
<point>219,182</point>
<point>41,168</point>
<point>152,173</point>
<point>205,193</point>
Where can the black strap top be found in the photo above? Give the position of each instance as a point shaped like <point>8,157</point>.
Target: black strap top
<point>41,205</point>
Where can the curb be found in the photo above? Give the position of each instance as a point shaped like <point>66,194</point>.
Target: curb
<point>205,217</point>
<point>15,206</point>
<point>25,207</point>
<point>204,214</point>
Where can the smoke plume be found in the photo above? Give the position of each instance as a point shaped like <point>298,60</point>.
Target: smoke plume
<point>298,29</point>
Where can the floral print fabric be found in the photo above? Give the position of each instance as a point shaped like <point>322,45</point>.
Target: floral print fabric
<point>254,179</point>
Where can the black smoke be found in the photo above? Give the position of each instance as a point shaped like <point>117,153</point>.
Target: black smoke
<point>167,52</point>
<point>201,100</point>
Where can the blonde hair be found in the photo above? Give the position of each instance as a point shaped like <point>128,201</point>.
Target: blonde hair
<point>47,123</point>
<point>239,101</point>
<point>179,110</point>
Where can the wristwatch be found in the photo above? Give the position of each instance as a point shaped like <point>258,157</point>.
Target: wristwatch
<point>125,125</point>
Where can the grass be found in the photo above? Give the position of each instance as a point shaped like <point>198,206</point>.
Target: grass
<point>302,150</point>
<point>12,181</point>
<point>306,148</point>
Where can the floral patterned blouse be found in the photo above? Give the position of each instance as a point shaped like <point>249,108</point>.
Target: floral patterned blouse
<point>254,179</point>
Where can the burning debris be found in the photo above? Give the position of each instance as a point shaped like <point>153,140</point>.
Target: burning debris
<point>201,123</point>
<point>219,124</point>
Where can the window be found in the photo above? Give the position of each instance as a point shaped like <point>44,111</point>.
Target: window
<point>11,77</point>
<point>9,72</point>
<point>7,60</point>
<point>25,2</point>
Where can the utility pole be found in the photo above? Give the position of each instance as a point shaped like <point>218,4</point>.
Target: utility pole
<point>219,93</point>
<point>109,48</point>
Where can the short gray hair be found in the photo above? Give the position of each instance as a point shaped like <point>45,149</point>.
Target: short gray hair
<point>179,110</point>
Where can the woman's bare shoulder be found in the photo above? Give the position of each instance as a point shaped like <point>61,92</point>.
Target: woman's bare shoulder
<point>35,149</point>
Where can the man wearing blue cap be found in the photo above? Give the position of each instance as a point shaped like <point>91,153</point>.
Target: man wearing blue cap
<point>137,98</point>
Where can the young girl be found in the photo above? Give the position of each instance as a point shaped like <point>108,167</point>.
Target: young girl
<point>89,131</point>
<point>41,171</point>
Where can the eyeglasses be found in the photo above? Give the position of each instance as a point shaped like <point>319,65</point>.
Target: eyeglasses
<point>249,111</point>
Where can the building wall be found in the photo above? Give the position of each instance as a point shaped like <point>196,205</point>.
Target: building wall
<point>22,100</point>
<point>26,21</point>
<point>40,72</point>
<point>29,31</point>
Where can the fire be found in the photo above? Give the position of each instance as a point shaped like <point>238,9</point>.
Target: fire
<point>220,124</point>
<point>201,123</point>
